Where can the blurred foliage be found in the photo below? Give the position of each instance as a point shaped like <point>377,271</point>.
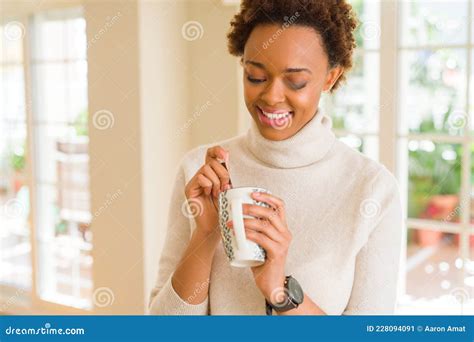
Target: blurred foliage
<point>431,173</point>
<point>17,159</point>
<point>358,6</point>
<point>81,122</point>
<point>436,170</point>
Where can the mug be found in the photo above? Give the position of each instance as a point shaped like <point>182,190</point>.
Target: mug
<point>240,251</point>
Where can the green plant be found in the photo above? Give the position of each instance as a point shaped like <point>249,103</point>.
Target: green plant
<point>433,172</point>
<point>17,159</point>
<point>80,124</point>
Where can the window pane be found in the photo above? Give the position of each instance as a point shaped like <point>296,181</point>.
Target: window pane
<point>11,42</point>
<point>355,106</point>
<point>12,93</point>
<point>428,22</point>
<point>367,145</point>
<point>15,248</point>
<point>433,91</point>
<point>464,120</point>
<point>368,32</point>
<point>67,84</point>
<point>63,32</point>
<point>437,276</point>
<point>62,159</point>
<point>434,180</point>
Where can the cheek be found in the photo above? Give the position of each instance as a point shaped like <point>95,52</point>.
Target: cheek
<point>251,93</point>
<point>304,100</point>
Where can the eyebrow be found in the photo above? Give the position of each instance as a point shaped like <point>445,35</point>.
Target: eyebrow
<point>287,70</point>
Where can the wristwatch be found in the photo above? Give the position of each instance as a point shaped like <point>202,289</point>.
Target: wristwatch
<point>293,294</point>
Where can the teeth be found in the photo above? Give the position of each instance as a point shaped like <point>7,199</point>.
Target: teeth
<point>276,116</point>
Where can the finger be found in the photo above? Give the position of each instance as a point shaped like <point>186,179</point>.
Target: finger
<point>207,171</point>
<point>276,203</point>
<point>271,247</point>
<point>264,213</point>
<point>205,183</point>
<point>261,226</point>
<point>217,152</point>
<point>221,172</point>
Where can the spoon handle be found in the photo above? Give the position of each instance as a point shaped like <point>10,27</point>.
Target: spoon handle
<point>225,166</point>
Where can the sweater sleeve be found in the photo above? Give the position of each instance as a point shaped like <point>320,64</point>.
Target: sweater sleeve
<point>374,290</point>
<point>164,300</point>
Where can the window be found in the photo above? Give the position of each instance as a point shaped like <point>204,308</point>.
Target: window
<point>55,155</point>
<point>355,107</point>
<point>434,138</point>
<point>435,135</point>
<point>15,247</point>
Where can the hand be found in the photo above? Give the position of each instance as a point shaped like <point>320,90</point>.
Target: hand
<point>203,189</point>
<point>270,230</point>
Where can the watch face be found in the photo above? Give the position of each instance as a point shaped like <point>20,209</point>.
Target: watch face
<point>295,290</point>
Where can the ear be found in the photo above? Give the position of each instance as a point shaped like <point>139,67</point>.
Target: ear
<point>331,77</point>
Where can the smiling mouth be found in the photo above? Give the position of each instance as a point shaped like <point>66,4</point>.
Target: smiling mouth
<point>276,119</point>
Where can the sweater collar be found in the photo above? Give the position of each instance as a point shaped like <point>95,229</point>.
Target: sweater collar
<point>309,145</point>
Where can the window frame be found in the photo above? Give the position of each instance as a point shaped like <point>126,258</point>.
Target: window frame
<point>393,151</point>
<point>29,301</point>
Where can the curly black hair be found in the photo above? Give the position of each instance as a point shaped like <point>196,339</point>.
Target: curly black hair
<point>334,20</point>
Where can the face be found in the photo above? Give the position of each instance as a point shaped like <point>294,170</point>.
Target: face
<point>284,75</point>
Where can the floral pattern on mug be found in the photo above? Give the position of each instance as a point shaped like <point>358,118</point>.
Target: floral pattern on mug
<point>258,252</point>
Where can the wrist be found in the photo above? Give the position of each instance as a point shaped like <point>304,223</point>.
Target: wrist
<point>207,238</point>
<point>275,291</point>
<point>287,298</point>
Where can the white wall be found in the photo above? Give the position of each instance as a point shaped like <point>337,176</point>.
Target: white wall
<point>165,91</point>
<point>213,74</point>
<point>116,158</point>
<point>188,97</point>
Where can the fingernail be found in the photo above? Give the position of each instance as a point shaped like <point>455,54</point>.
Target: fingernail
<point>256,194</point>
<point>227,187</point>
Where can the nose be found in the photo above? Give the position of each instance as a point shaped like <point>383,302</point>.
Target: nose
<point>273,93</point>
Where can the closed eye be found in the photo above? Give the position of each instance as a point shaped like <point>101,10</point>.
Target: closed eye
<point>297,86</point>
<point>255,80</point>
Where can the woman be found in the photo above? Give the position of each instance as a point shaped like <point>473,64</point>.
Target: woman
<point>335,223</point>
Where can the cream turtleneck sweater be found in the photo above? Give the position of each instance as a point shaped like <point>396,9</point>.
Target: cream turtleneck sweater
<point>343,210</point>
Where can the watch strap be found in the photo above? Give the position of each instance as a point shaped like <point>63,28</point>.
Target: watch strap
<point>287,305</point>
